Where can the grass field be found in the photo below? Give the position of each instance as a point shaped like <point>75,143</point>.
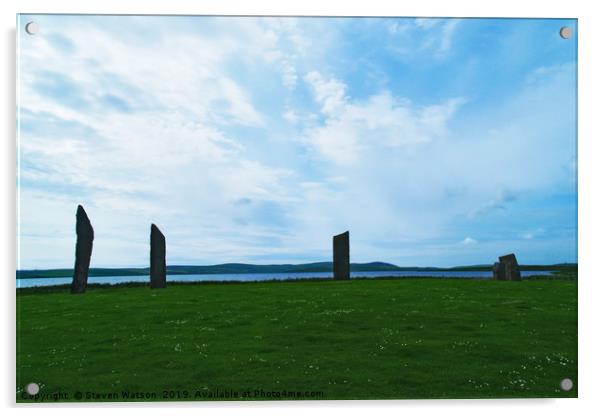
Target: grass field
<point>358,339</point>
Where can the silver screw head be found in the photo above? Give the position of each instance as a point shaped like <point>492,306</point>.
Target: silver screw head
<point>32,389</point>
<point>565,32</point>
<point>32,28</point>
<point>566,384</point>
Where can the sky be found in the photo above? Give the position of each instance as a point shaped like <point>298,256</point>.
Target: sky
<point>435,142</point>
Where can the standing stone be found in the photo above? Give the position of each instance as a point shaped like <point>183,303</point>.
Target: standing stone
<point>83,250</point>
<point>509,265</point>
<point>507,268</point>
<point>157,259</point>
<point>497,271</point>
<point>340,256</point>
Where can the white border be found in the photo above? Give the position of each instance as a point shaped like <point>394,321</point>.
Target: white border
<point>590,33</point>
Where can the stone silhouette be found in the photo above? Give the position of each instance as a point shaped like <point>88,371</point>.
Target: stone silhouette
<point>157,259</point>
<point>507,268</point>
<point>83,250</point>
<point>340,256</point>
<point>497,271</point>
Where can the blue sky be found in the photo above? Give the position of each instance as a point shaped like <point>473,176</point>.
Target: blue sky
<point>436,142</point>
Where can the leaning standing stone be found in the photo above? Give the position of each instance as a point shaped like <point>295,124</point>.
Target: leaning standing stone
<point>83,250</point>
<point>157,259</point>
<point>340,256</point>
<point>509,267</point>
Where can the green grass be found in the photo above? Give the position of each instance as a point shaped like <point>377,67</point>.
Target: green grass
<point>359,339</point>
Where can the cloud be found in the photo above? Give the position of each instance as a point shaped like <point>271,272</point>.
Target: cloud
<point>447,33</point>
<point>426,23</point>
<point>257,139</point>
<point>329,93</point>
<point>290,116</point>
<point>529,235</point>
<point>397,27</point>
<point>469,241</point>
<point>289,76</point>
<point>501,201</point>
<point>353,128</point>
<point>117,103</point>
<point>424,36</point>
<point>60,42</point>
<point>138,139</point>
<point>61,89</point>
<point>195,81</point>
<point>238,103</point>
<point>419,177</point>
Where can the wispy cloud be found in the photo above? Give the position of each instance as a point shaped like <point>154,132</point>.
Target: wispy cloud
<point>501,201</point>
<point>256,139</point>
<point>432,36</point>
<point>529,235</point>
<point>382,121</point>
<point>447,33</point>
<point>328,92</point>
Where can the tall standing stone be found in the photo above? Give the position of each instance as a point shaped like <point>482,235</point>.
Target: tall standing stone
<point>507,268</point>
<point>340,256</point>
<point>157,259</point>
<point>83,250</point>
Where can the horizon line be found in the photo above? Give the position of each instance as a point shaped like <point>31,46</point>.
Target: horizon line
<point>306,263</point>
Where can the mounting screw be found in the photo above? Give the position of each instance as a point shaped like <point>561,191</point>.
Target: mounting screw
<point>566,384</point>
<point>565,32</point>
<point>32,389</point>
<point>32,28</point>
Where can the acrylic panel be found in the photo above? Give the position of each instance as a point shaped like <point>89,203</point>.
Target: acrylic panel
<point>295,208</point>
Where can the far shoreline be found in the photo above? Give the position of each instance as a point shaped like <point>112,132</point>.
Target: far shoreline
<point>244,269</point>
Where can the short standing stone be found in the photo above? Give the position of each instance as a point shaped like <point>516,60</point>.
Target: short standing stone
<point>509,267</point>
<point>340,256</point>
<point>157,259</point>
<point>83,250</point>
<point>496,271</point>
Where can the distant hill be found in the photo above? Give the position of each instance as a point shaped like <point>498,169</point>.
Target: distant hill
<point>242,268</point>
